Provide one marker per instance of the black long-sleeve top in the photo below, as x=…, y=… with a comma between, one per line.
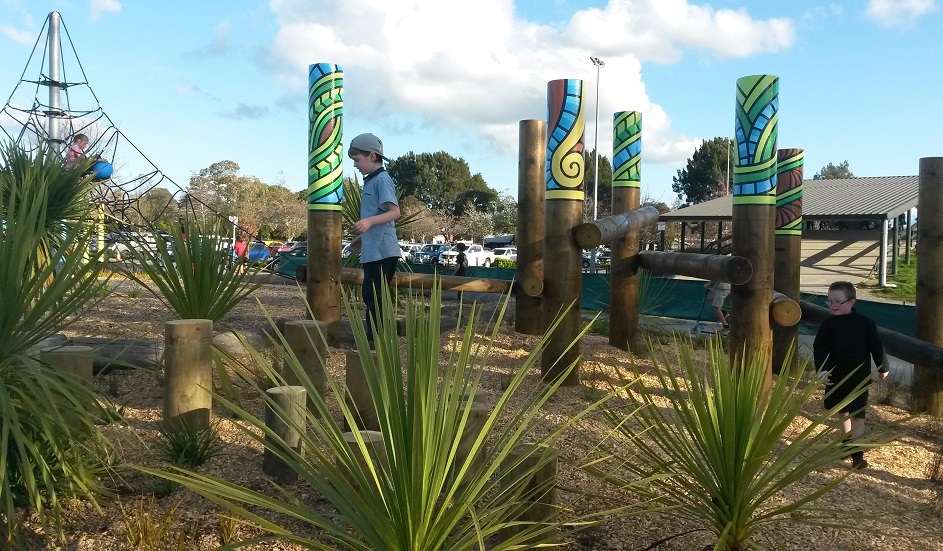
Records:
x=845, y=345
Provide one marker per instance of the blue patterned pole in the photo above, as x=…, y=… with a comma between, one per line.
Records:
x=788, y=247
x=563, y=212
x=325, y=193
x=626, y=184
x=754, y=212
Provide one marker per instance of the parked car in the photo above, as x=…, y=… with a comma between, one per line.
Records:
x=476, y=254
x=130, y=244
x=288, y=262
x=509, y=253
x=273, y=248
x=286, y=246
x=414, y=253
x=603, y=258
x=257, y=253
x=430, y=253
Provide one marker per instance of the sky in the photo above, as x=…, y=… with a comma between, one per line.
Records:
x=194, y=83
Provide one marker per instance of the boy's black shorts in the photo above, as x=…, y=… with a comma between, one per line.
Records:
x=834, y=396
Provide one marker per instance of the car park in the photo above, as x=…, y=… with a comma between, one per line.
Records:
x=476, y=254
x=430, y=253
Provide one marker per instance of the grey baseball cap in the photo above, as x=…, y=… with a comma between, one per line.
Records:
x=369, y=143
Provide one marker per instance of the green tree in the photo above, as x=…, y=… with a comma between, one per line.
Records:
x=834, y=172
x=504, y=214
x=605, y=185
x=650, y=234
x=482, y=200
x=436, y=179
x=477, y=223
x=219, y=190
x=708, y=172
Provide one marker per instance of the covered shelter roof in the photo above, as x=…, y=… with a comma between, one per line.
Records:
x=868, y=198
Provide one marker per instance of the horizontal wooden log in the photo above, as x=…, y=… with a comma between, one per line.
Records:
x=531, y=286
x=354, y=276
x=593, y=234
x=122, y=353
x=906, y=348
x=784, y=311
x=735, y=270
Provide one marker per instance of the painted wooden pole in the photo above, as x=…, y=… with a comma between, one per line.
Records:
x=564, y=210
x=290, y=400
x=76, y=361
x=729, y=269
x=927, y=386
x=531, y=166
x=617, y=227
x=754, y=211
x=305, y=339
x=325, y=193
x=788, y=245
x=359, y=399
x=539, y=489
x=188, y=372
x=623, y=273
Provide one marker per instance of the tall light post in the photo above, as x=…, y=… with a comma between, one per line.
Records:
x=599, y=65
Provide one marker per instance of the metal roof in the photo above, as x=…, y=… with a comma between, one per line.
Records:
x=871, y=198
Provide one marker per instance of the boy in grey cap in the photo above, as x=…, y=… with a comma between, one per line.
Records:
x=377, y=242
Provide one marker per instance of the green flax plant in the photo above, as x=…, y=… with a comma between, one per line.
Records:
x=195, y=278
x=731, y=450
x=50, y=447
x=417, y=494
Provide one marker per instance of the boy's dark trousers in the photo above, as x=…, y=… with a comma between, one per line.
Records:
x=373, y=275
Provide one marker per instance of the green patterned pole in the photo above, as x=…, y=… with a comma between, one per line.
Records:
x=325, y=193
x=563, y=212
x=626, y=182
x=754, y=209
x=788, y=245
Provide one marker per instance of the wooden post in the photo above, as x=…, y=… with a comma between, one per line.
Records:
x=376, y=450
x=564, y=208
x=927, y=387
x=188, y=372
x=291, y=401
x=531, y=167
x=306, y=339
x=70, y=360
x=477, y=416
x=788, y=246
x=539, y=489
x=754, y=210
x=325, y=194
x=623, y=273
x=359, y=399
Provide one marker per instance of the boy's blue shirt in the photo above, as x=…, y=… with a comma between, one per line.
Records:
x=380, y=240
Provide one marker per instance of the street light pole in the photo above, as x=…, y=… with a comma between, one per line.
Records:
x=599, y=65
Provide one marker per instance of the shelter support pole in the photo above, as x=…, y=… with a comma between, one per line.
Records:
x=882, y=263
x=927, y=387
x=788, y=250
x=325, y=194
x=564, y=210
x=624, y=242
x=531, y=166
x=910, y=241
x=895, y=246
x=703, y=238
x=754, y=211
x=684, y=227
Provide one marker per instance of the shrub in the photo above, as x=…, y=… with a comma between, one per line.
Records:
x=184, y=445
x=505, y=263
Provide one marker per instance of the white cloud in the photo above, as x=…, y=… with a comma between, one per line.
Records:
x=893, y=13
x=480, y=68
x=19, y=36
x=104, y=6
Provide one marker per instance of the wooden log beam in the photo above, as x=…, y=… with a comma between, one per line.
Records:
x=900, y=346
x=784, y=311
x=735, y=270
x=593, y=234
x=354, y=276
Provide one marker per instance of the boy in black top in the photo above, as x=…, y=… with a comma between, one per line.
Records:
x=461, y=260
x=844, y=346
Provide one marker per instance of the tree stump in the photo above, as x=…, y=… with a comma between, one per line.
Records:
x=76, y=361
x=291, y=401
x=306, y=338
x=188, y=372
x=538, y=492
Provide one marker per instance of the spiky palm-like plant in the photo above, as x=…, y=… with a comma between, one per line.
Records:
x=732, y=449
x=419, y=495
x=194, y=278
x=50, y=447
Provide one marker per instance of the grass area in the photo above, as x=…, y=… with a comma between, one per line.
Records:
x=906, y=281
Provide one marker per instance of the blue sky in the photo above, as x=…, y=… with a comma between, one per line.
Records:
x=193, y=83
